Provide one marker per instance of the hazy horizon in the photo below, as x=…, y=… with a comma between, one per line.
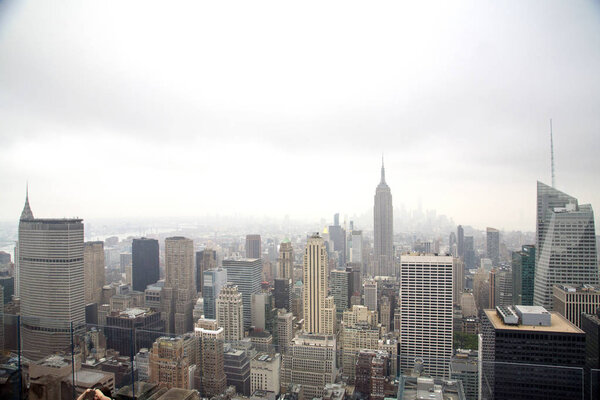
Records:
x=132, y=110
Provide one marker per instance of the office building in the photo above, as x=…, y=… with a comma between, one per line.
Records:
x=572, y=301
x=168, y=364
x=329, y=316
x=285, y=331
x=230, y=314
x=261, y=307
x=339, y=289
x=529, y=352
x=205, y=260
x=282, y=293
x=93, y=271
x=420, y=387
x=493, y=245
x=253, y=246
x=337, y=234
x=264, y=372
x=144, y=263
x=426, y=313
x=286, y=260
x=179, y=293
x=246, y=274
x=590, y=324
x=464, y=366
x=310, y=361
x=119, y=326
x=500, y=285
x=460, y=241
x=50, y=255
x=211, y=339
x=469, y=252
x=236, y=365
x=383, y=251
x=566, y=243
x=385, y=313
x=370, y=290
x=315, y=272
x=458, y=280
x=354, y=338
x=523, y=271
x=356, y=247
x=214, y=280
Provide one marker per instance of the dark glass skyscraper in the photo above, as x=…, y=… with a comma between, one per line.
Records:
x=523, y=270
x=145, y=263
x=383, y=228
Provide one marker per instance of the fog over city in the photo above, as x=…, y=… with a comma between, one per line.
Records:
x=174, y=109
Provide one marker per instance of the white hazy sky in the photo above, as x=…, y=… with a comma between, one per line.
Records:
x=143, y=108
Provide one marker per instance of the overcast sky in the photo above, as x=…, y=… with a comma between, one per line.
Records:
x=141, y=108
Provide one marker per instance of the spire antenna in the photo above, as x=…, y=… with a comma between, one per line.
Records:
x=552, y=153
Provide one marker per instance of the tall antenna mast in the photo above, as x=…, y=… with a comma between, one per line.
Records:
x=552, y=152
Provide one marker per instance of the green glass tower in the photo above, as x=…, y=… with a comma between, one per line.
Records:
x=523, y=270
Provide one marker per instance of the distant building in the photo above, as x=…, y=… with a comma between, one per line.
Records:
x=93, y=271
x=469, y=252
x=383, y=251
x=286, y=260
x=205, y=260
x=262, y=306
x=523, y=271
x=337, y=234
x=572, y=301
x=370, y=290
x=253, y=246
x=339, y=289
x=119, y=326
x=493, y=245
x=531, y=353
x=214, y=280
x=460, y=241
x=145, y=263
x=179, y=294
x=282, y=293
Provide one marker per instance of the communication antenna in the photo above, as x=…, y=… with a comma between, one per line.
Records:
x=552, y=152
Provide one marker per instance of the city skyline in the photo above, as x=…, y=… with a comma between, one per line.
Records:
x=458, y=98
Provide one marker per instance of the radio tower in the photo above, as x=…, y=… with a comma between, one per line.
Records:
x=552, y=152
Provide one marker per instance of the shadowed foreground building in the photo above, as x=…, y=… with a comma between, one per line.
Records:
x=144, y=263
x=530, y=353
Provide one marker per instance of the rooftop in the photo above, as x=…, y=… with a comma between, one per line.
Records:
x=558, y=324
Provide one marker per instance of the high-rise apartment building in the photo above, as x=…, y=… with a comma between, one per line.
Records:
x=426, y=313
x=93, y=271
x=246, y=274
x=523, y=275
x=315, y=272
x=205, y=260
x=50, y=253
x=531, y=353
x=230, y=314
x=383, y=251
x=339, y=289
x=253, y=246
x=566, y=243
x=286, y=260
x=211, y=338
x=572, y=301
x=370, y=290
x=285, y=331
x=179, y=293
x=169, y=364
x=493, y=245
x=310, y=361
x=144, y=263
x=214, y=280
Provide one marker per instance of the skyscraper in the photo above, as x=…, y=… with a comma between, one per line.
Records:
x=145, y=263
x=51, y=283
x=370, y=289
x=230, y=315
x=286, y=260
x=426, y=313
x=168, y=363
x=245, y=273
x=214, y=280
x=282, y=293
x=253, y=246
x=493, y=245
x=205, y=260
x=383, y=228
x=460, y=241
x=338, y=237
x=211, y=338
x=339, y=289
x=469, y=252
x=93, y=271
x=179, y=293
x=566, y=243
x=523, y=270
x=315, y=274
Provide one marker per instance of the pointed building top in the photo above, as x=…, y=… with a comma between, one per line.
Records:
x=382, y=170
x=26, y=214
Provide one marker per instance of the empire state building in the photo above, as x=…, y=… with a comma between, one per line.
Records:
x=383, y=229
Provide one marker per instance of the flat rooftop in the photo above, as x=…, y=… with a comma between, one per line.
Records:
x=558, y=323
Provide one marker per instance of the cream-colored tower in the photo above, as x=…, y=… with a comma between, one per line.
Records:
x=230, y=313
x=286, y=260
x=180, y=284
x=93, y=271
x=315, y=284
